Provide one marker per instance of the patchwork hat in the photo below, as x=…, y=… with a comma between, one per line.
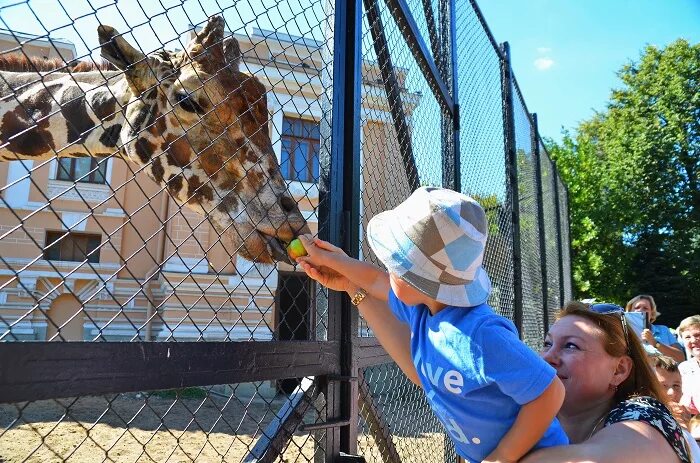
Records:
x=435, y=242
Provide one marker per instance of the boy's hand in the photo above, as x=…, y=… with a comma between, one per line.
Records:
x=318, y=264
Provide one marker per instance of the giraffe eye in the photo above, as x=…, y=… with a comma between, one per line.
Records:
x=188, y=103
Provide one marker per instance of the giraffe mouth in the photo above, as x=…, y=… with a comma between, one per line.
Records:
x=276, y=248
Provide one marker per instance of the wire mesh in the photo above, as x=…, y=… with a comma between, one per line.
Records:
x=533, y=329
x=551, y=250
x=416, y=435
x=482, y=147
x=127, y=212
x=565, y=239
x=216, y=423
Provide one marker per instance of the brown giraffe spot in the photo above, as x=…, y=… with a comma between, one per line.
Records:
x=157, y=170
x=78, y=122
x=144, y=149
x=228, y=204
x=254, y=180
x=211, y=162
x=174, y=184
x=110, y=136
x=104, y=105
x=23, y=135
x=177, y=150
x=196, y=191
x=248, y=155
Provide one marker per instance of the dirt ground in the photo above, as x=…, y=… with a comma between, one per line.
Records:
x=137, y=429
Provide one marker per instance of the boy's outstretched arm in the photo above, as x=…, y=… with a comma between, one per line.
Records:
x=334, y=269
x=530, y=425
x=334, y=263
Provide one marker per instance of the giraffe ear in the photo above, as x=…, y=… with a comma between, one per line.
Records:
x=232, y=53
x=116, y=49
x=212, y=36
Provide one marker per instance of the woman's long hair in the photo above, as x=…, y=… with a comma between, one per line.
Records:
x=641, y=380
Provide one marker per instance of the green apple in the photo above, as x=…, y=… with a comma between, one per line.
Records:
x=295, y=249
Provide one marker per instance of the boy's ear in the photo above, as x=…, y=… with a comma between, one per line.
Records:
x=116, y=50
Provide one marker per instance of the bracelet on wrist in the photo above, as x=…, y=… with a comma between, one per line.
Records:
x=358, y=296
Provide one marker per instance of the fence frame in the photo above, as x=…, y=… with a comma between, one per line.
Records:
x=39, y=370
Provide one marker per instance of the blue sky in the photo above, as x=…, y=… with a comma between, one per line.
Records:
x=565, y=53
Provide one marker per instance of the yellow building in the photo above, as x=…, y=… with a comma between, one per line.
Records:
x=162, y=272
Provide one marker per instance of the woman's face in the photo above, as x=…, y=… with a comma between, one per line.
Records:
x=574, y=347
x=644, y=306
x=691, y=340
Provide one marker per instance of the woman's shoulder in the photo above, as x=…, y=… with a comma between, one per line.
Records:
x=654, y=413
x=689, y=366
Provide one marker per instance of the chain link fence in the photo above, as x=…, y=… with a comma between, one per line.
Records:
x=156, y=159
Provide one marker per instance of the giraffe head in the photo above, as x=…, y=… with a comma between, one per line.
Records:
x=199, y=127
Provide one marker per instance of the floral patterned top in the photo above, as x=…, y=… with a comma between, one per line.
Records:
x=655, y=414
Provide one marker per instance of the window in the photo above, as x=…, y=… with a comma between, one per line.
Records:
x=300, y=147
x=76, y=169
x=73, y=247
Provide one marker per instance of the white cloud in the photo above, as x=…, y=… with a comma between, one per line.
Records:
x=544, y=63
x=543, y=50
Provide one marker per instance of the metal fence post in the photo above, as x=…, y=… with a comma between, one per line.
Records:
x=457, y=167
x=512, y=181
x=535, y=140
x=342, y=193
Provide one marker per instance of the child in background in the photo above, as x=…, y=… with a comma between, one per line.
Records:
x=495, y=396
x=669, y=377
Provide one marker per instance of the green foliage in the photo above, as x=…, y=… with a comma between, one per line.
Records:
x=632, y=173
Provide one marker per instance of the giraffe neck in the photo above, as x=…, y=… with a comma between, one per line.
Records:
x=64, y=115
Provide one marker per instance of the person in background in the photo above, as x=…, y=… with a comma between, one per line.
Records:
x=689, y=331
x=659, y=336
x=669, y=377
x=614, y=409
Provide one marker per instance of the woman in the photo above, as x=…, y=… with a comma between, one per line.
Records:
x=659, y=336
x=689, y=332
x=614, y=410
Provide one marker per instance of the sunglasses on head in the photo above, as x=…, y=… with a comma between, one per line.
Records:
x=614, y=309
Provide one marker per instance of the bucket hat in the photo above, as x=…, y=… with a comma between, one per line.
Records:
x=435, y=242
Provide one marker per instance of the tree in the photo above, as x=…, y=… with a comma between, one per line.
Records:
x=632, y=173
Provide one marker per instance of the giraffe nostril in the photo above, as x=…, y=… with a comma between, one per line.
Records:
x=287, y=204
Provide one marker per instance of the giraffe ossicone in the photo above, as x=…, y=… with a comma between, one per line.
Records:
x=194, y=122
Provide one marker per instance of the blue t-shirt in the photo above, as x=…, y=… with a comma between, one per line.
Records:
x=663, y=335
x=476, y=374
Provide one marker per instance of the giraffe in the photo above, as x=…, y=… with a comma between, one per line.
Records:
x=194, y=122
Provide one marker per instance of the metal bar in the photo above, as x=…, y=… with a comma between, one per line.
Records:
x=535, y=140
x=49, y=370
x=485, y=27
x=555, y=176
x=330, y=424
x=342, y=214
x=432, y=33
x=512, y=166
x=371, y=353
x=393, y=92
x=407, y=25
x=275, y=437
x=457, y=168
x=377, y=425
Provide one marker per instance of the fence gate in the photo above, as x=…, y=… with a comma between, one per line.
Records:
x=156, y=159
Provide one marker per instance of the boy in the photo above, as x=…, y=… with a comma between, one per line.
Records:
x=669, y=377
x=496, y=398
